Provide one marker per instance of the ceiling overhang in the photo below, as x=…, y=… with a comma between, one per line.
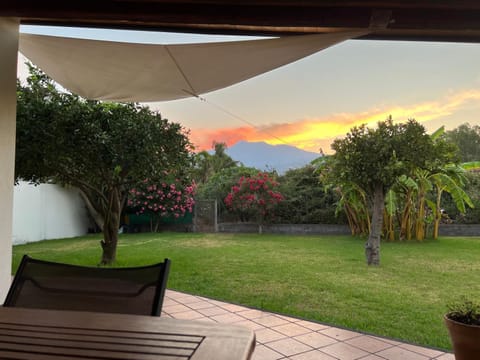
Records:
x=425, y=20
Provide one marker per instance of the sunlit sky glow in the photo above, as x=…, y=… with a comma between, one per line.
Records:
x=309, y=103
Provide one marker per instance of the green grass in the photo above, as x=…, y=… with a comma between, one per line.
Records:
x=322, y=278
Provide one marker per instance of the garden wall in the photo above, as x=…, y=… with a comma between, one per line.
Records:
x=324, y=229
x=297, y=229
x=47, y=211
x=459, y=230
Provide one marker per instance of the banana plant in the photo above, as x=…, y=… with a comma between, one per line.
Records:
x=450, y=179
x=353, y=202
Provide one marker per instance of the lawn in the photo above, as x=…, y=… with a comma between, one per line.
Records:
x=322, y=278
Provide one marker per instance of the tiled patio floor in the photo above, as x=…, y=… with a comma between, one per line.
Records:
x=283, y=337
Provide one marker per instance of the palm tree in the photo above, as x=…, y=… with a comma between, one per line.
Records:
x=206, y=164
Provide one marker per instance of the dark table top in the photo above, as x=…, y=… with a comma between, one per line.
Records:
x=58, y=335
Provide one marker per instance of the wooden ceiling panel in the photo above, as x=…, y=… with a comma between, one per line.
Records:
x=430, y=20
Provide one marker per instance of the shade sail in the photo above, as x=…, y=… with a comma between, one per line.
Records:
x=118, y=71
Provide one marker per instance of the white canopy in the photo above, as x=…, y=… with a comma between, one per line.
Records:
x=118, y=71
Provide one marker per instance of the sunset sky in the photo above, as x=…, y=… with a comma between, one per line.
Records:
x=312, y=101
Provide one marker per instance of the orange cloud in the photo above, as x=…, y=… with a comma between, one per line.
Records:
x=314, y=133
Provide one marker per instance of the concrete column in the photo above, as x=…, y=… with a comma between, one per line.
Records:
x=9, y=30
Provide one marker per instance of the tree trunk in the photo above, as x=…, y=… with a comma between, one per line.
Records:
x=96, y=216
x=405, y=225
x=438, y=213
x=420, y=220
x=110, y=229
x=372, y=247
x=109, y=244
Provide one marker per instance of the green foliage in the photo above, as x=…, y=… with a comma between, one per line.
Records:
x=103, y=149
x=254, y=196
x=370, y=157
x=207, y=165
x=408, y=165
x=467, y=138
x=472, y=190
x=219, y=185
x=465, y=311
x=306, y=199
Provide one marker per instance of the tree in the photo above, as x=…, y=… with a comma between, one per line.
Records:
x=171, y=198
x=467, y=138
x=103, y=149
x=219, y=185
x=419, y=194
x=207, y=165
x=374, y=158
x=306, y=200
x=255, y=194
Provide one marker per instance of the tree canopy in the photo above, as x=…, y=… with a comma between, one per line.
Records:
x=207, y=164
x=103, y=149
x=467, y=139
x=373, y=158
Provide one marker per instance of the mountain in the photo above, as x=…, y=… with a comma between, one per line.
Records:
x=268, y=157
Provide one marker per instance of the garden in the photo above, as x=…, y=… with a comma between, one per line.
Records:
x=319, y=278
x=394, y=183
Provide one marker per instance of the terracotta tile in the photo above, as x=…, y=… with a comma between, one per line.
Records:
x=288, y=318
x=188, y=315
x=228, y=318
x=168, y=302
x=312, y=325
x=397, y=353
x=250, y=324
x=175, y=308
x=344, y=351
x=251, y=314
x=182, y=298
x=339, y=334
x=216, y=302
x=292, y=338
x=315, y=340
x=213, y=311
x=200, y=305
x=232, y=307
x=422, y=350
x=368, y=343
x=206, y=319
x=188, y=300
x=446, y=356
x=263, y=353
x=389, y=341
x=267, y=335
x=312, y=355
x=372, y=357
x=270, y=320
x=289, y=347
x=291, y=329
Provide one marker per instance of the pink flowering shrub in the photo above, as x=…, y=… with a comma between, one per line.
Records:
x=161, y=200
x=254, y=195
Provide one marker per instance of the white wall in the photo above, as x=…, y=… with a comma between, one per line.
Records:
x=47, y=211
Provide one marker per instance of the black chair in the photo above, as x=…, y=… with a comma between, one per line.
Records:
x=49, y=285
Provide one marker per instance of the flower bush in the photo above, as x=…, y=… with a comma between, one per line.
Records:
x=254, y=196
x=161, y=200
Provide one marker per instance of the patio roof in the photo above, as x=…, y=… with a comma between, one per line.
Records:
x=430, y=20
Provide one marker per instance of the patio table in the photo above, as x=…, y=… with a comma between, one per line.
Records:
x=59, y=335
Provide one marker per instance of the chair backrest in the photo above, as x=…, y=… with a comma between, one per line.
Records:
x=49, y=285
